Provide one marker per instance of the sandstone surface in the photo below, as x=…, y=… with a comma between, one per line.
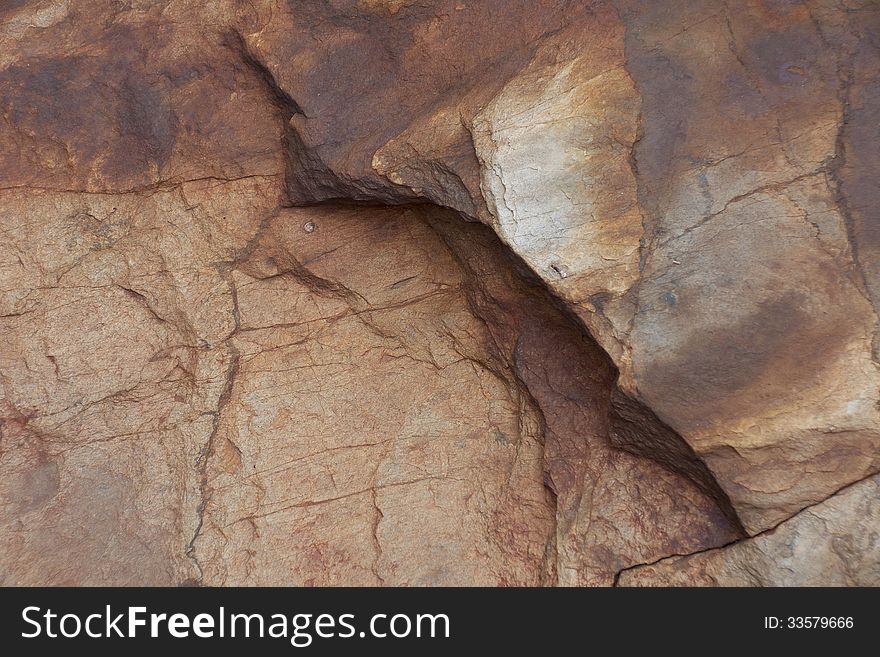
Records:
x=497, y=292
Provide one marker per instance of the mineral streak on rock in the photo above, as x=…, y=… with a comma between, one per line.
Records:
x=495, y=292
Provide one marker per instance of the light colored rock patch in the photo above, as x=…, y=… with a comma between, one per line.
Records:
x=554, y=147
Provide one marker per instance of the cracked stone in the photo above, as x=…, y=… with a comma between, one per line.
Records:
x=834, y=543
x=318, y=293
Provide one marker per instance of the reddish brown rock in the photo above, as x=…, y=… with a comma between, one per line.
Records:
x=460, y=437
x=116, y=315
x=220, y=370
x=385, y=371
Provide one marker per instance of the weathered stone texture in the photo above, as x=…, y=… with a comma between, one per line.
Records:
x=449, y=292
x=834, y=543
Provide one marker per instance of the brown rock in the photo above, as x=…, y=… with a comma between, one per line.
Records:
x=640, y=158
x=834, y=543
x=220, y=370
x=398, y=382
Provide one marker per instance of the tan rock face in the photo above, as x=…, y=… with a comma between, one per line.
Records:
x=366, y=436
x=321, y=293
x=383, y=371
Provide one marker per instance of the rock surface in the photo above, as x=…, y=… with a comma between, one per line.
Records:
x=835, y=543
x=323, y=293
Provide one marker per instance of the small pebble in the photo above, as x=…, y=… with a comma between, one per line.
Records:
x=309, y=226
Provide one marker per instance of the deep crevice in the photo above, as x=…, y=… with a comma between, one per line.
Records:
x=633, y=427
x=636, y=429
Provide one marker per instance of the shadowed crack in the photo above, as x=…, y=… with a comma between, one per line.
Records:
x=208, y=449
x=633, y=427
x=636, y=429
